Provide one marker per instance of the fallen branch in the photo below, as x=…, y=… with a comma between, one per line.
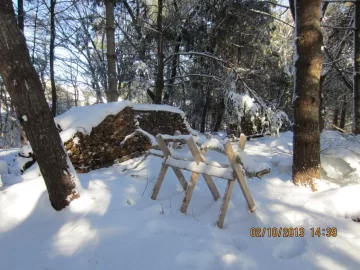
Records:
x=131, y=156
x=257, y=174
x=340, y=129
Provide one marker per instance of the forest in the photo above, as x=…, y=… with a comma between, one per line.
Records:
x=99, y=98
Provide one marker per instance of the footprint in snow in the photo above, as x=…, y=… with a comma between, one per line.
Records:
x=290, y=248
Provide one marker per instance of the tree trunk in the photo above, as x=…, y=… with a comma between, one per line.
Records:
x=356, y=127
x=343, y=114
x=292, y=8
x=220, y=115
x=20, y=6
x=111, y=93
x=24, y=87
x=159, y=85
x=336, y=116
x=52, y=54
x=205, y=110
x=306, y=159
x=322, y=105
x=21, y=26
x=174, y=65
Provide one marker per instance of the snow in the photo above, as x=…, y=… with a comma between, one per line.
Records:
x=84, y=118
x=151, y=137
x=4, y=168
x=127, y=137
x=155, y=107
x=76, y=140
x=24, y=117
x=226, y=173
x=116, y=225
x=176, y=137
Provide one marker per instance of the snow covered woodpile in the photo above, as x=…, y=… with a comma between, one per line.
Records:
x=97, y=136
x=114, y=138
x=156, y=121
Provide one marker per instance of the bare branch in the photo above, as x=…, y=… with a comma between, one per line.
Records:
x=271, y=16
x=197, y=75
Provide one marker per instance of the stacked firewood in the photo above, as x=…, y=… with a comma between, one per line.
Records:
x=119, y=137
x=112, y=139
x=163, y=122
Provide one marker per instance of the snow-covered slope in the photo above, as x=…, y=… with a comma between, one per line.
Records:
x=115, y=224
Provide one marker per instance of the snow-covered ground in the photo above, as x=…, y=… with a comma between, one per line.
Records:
x=115, y=224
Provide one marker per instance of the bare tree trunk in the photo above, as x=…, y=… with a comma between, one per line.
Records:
x=306, y=159
x=205, y=110
x=322, y=105
x=21, y=26
x=175, y=62
x=111, y=93
x=24, y=86
x=159, y=85
x=292, y=8
x=220, y=114
x=343, y=114
x=20, y=6
x=356, y=125
x=34, y=34
x=336, y=116
x=52, y=55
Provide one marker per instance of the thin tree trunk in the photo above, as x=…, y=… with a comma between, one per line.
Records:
x=322, y=105
x=220, y=115
x=24, y=86
x=20, y=7
x=336, y=116
x=52, y=56
x=343, y=114
x=111, y=93
x=174, y=65
x=356, y=125
x=306, y=159
x=292, y=8
x=159, y=85
x=205, y=110
x=34, y=35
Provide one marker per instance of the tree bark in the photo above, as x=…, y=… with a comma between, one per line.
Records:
x=24, y=86
x=111, y=93
x=343, y=114
x=292, y=8
x=52, y=56
x=205, y=110
x=174, y=66
x=322, y=104
x=220, y=115
x=159, y=85
x=306, y=159
x=356, y=125
x=336, y=116
x=20, y=6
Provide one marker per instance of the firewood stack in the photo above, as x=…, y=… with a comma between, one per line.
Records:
x=107, y=144
x=163, y=122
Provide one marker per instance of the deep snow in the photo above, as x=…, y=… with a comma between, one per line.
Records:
x=115, y=224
